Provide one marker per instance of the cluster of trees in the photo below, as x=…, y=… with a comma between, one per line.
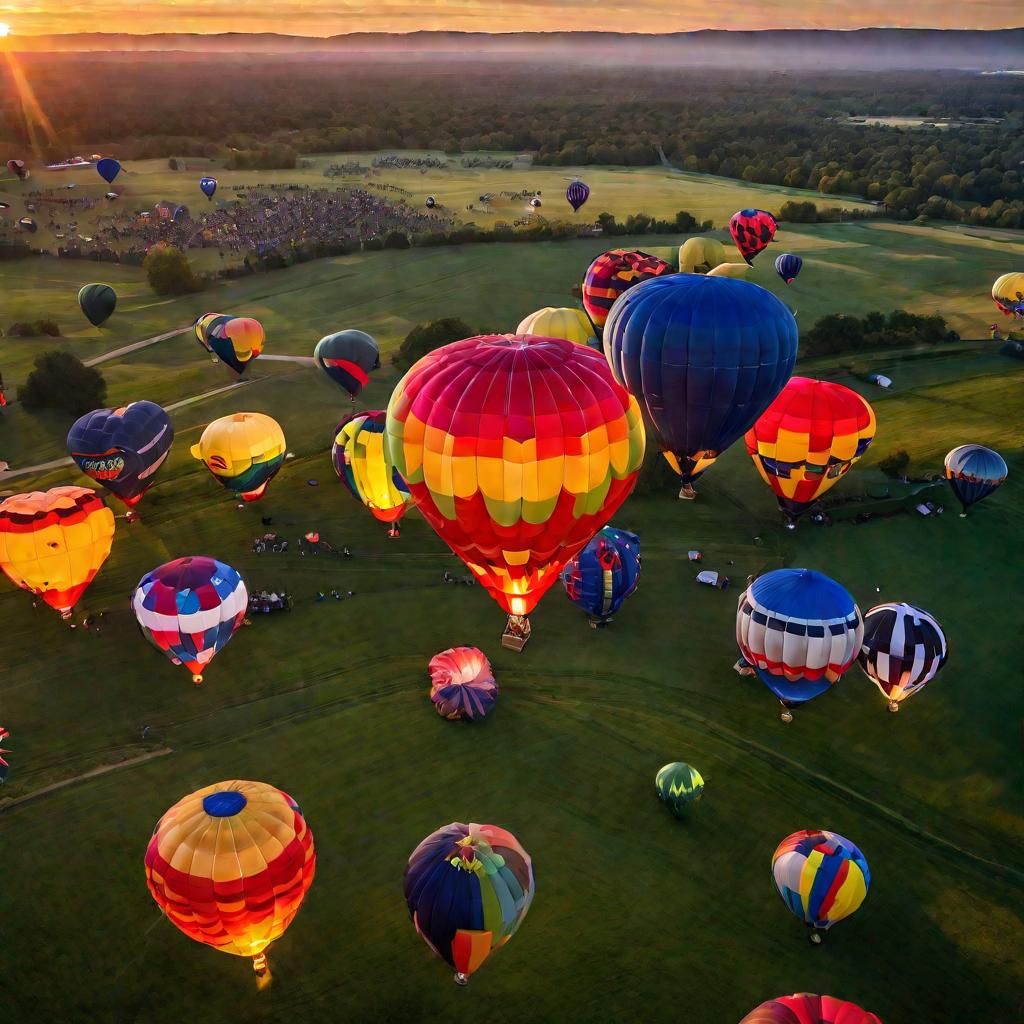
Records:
x=798, y=211
x=684, y=223
x=424, y=338
x=34, y=329
x=169, y=271
x=60, y=380
x=840, y=333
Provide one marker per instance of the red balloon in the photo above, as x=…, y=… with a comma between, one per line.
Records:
x=752, y=231
x=805, y=1008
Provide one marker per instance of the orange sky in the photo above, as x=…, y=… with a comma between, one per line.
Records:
x=329, y=17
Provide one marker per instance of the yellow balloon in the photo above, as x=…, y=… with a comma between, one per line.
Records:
x=243, y=451
x=700, y=255
x=729, y=270
x=559, y=322
x=1008, y=292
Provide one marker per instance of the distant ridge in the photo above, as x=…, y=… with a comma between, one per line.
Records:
x=785, y=48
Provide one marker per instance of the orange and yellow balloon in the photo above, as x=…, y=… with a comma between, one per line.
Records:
x=243, y=451
x=53, y=542
x=230, y=866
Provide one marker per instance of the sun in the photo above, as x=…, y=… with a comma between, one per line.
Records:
x=5, y=29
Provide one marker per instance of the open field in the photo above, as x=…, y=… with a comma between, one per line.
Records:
x=633, y=909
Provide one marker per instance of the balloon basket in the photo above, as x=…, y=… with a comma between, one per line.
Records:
x=785, y=715
x=260, y=965
x=517, y=632
x=461, y=979
x=893, y=706
x=198, y=681
x=687, y=493
x=816, y=938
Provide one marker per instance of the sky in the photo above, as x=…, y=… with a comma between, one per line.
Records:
x=331, y=17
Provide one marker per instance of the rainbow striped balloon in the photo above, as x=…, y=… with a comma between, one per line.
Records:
x=806, y=1008
x=613, y=273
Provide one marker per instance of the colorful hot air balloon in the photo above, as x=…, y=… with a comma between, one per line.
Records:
x=517, y=450
x=787, y=266
x=108, y=169
x=700, y=254
x=705, y=356
x=243, y=451
x=903, y=649
x=122, y=448
x=807, y=439
x=613, y=273
x=97, y=302
x=752, y=231
x=603, y=574
x=554, y=322
x=53, y=542
x=18, y=169
x=189, y=609
x=804, y=1008
x=208, y=186
x=974, y=472
x=678, y=786
x=230, y=866
x=462, y=684
x=800, y=630
x=235, y=340
x=28, y=224
x=362, y=466
x=1008, y=293
x=577, y=193
x=821, y=877
x=4, y=766
x=347, y=358
x=468, y=888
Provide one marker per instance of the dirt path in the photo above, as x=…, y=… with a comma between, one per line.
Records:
x=135, y=346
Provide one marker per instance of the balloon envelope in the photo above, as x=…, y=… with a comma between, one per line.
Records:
x=18, y=169
x=347, y=357
x=122, y=448
x=243, y=451
x=787, y=266
x=362, y=466
x=108, y=169
x=577, y=193
x=235, y=340
x=555, y=322
x=462, y=684
x=974, y=472
x=700, y=254
x=28, y=224
x=1008, y=293
x=752, y=231
x=208, y=186
x=613, y=273
x=902, y=651
x=805, y=1008
x=678, y=785
x=604, y=573
x=97, y=302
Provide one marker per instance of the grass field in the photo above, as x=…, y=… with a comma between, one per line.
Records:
x=637, y=916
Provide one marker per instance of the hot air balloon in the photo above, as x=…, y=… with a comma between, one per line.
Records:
x=577, y=193
x=535, y=203
x=700, y=254
x=122, y=448
x=804, y=1008
x=347, y=358
x=613, y=273
x=752, y=231
x=53, y=542
x=230, y=866
x=18, y=169
x=787, y=266
x=517, y=450
x=208, y=186
x=108, y=169
x=243, y=451
x=189, y=609
x=903, y=649
x=974, y=472
x=235, y=340
x=603, y=574
x=4, y=766
x=362, y=466
x=705, y=356
x=807, y=439
x=462, y=684
x=821, y=877
x=28, y=224
x=678, y=786
x=1008, y=293
x=468, y=888
x=554, y=322
x=431, y=202
x=800, y=630
x=97, y=302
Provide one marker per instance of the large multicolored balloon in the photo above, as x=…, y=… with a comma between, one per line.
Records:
x=808, y=439
x=52, y=543
x=577, y=194
x=235, y=340
x=189, y=609
x=705, y=356
x=560, y=322
x=122, y=449
x=603, y=574
x=517, y=450
x=97, y=302
x=752, y=231
x=805, y=1008
x=821, y=877
x=974, y=472
x=230, y=866
x=1008, y=294
x=208, y=186
x=348, y=357
x=787, y=266
x=800, y=630
x=902, y=651
x=700, y=254
x=678, y=786
x=468, y=888
x=462, y=684
x=613, y=273
x=19, y=169
x=108, y=169
x=243, y=451
x=362, y=466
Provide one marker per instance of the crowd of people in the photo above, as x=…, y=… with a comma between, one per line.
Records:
x=404, y=163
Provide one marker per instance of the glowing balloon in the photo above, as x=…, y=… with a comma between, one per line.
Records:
x=700, y=254
x=462, y=684
x=97, y=302
x=18, y=169
x=362, y=466
x=189, y=609
x=752, y=231
x=613, y=273
x=787, y=266
x=468, y=888
x=974, y=472
x=347, y=358
x=108, y=169
x=230, y=866
x=603, y=574
x=554, y=322
x=243, y=451
x=678, y=786
x=235, y=340
x=208, y=186
x=52, y=543
x=577, y=194
x=804, y=1008
x=1008, y=293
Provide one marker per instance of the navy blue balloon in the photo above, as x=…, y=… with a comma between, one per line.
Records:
x=208, y=186
x=704, y=356
x=604, y=574
x=122, y=448
x=108, y=169
x=787, y=266
x=974, y=472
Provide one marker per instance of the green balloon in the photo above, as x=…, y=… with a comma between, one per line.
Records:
x=679, y=785
x=97, y=302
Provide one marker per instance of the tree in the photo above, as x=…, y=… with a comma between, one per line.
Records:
x=425, y=338
x=61, y=380
x=797, y=212
x=396, y=240
x=895, y=463
x=169, y=271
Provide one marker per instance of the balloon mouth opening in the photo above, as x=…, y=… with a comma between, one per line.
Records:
x=224, y=804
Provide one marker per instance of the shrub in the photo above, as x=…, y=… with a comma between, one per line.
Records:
x=169, y=271
x=397, y=240
x=34, y=329
x=61, y=380
x=425, y=338
x=895, y=463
